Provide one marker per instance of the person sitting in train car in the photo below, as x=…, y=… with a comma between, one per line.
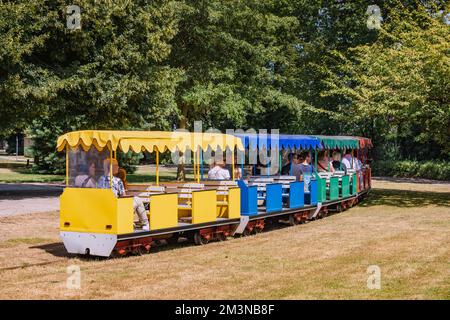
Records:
x=296, y=161
x=359, y=169
x=306, y=169
x=285, y=163
x=237, y=173
x=348, y=161
x=87, y=177
x=122, y=175
x=336, y=164
x=119, y=190
x=322, y=163
x=218, y=172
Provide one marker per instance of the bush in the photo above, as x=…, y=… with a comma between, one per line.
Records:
x=129, y=160
x=436, y=170
x=46, y=159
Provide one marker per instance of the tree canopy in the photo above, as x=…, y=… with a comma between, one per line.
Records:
x=298, y=66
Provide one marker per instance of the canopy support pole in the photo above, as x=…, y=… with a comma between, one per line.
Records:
x=315, y=159
x=328, y=160
x=232, y=165
x=280, y=164
x=67, y=165
x=290, y=162
x=193, y=164
x=352, y=157
x=242, y=167
x=157, y=167
x=198, y=165
x=201, y=165
x=110, y=166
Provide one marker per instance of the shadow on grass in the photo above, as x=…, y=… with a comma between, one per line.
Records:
x=14, y=166
x=410, y=180
x=405, y=198
x=17, y=191
x=56, y=249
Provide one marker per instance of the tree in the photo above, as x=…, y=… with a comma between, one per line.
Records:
x=400, y=82
x=111, y=73
x=235, y=57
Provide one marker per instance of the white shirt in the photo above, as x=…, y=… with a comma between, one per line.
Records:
x=85, y=181
x=218, y=173
x=346, y=161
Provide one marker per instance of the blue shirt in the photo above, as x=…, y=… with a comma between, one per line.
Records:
x=117, y=185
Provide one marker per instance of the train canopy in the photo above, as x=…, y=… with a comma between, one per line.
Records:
x=283, y=141
x=364, y=142
x=139, y=141
x=339, y=142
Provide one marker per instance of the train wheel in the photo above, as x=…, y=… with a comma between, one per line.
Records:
x=221, y=237
x=173, y=239
x=246, y=232
x=143, y=250
x=199, y=239
x=293, y=220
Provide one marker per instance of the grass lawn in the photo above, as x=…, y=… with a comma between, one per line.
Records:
x=402, y=228
x=25, y=175
x=14, y=172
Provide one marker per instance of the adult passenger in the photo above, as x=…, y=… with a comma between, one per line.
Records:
x=322, y=163
x=348, y=161
x=306, y=169
x=296, y=171
x=86, y=177
x=218, y=172
x=336, y=164
x=119, y=190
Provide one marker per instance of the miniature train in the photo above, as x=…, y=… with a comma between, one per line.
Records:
x=93, y=221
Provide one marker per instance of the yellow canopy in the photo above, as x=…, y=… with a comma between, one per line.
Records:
x=139, y=141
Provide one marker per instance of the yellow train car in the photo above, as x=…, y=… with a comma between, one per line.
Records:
x=98, y=215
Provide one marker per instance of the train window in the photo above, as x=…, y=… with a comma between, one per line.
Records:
x=86, y=167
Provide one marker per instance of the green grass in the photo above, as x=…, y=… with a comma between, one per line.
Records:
x=11, y=172
x=404, y=231
x=11, y=176
x=29, y=177
x=151, y=177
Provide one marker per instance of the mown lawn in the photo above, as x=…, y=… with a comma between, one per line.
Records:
x=404, y=229
x=14, y=172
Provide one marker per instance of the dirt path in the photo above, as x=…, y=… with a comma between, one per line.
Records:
x=25, y=198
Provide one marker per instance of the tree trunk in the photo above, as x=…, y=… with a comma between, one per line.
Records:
x=181, y=173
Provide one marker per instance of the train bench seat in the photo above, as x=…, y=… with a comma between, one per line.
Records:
x=268, y=193
x=286, y=183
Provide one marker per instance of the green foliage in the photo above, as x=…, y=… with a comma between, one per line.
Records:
x=309, y=67
x=128, y=161
x=437, y=170
x=46, y=159
x=234, y=55
x=398, y=84
x=107, y=74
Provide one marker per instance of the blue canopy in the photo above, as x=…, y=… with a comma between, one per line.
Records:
x=284, y=141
